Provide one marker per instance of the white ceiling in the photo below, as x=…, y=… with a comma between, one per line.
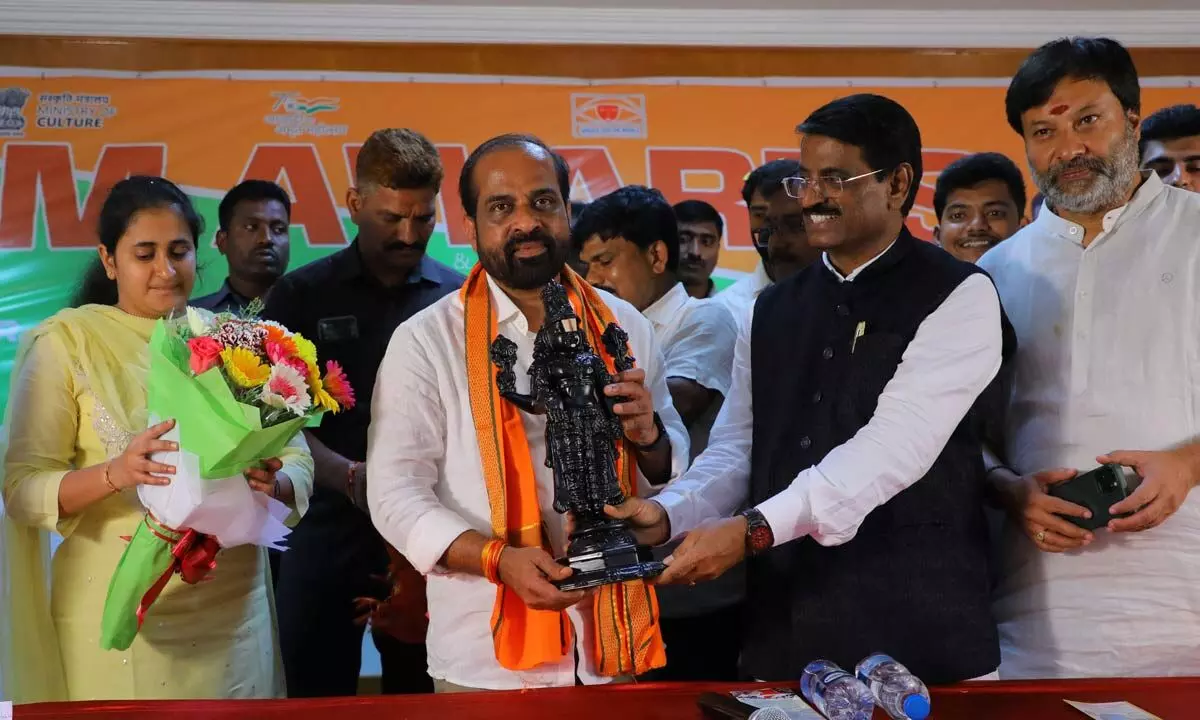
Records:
x=789, y=5
x=764, y=23
x=991, y=5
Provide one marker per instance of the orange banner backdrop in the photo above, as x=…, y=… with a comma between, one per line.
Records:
x=67, y=136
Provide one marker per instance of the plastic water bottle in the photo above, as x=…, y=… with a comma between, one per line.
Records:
x=900, y=693
x=835, y=693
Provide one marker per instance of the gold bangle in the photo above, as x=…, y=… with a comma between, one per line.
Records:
x=107, y=480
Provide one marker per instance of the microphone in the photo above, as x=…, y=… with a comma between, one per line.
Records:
x=720, y=706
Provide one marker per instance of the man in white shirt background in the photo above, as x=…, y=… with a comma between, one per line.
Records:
x=777, y=230
x=444, y=471
x=1170, y=145
x=980, y=202
x=700, y=231
x=1103, y=289
x=631, y=245
x=856, y=433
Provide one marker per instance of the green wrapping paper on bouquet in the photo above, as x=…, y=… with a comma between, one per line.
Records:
x=239, y=389
x=153, y=555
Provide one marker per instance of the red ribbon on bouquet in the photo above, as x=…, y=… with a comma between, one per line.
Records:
x=194, y=555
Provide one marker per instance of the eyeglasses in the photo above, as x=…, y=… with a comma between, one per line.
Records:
x=828, y=185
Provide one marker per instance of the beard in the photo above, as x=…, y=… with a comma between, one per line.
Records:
x=1109, y=185
x=526, y=273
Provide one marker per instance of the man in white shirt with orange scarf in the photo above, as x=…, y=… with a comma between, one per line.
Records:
x=459, y=484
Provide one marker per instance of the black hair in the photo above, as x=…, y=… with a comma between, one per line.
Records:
x=1075, y=58
x=1170, y=123
x=639, y=214
x=468, y=192
x=698, y=211
x=250, y=191
x=880, y=127
x=577, y=207
x=126, y=199
x=971, y=170
x=768, y=179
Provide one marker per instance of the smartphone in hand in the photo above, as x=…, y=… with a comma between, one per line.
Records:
x=1097, y=490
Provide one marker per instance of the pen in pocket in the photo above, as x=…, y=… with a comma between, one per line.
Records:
x=858, y=332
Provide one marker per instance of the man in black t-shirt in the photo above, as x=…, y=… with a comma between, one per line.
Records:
x=348, y=304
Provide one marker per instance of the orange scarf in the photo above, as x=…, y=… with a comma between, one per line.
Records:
x=627, y=637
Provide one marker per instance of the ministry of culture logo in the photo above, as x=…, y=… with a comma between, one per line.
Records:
x=12, y=111
x=73, y=111
x=294, y=115
x=608, y=116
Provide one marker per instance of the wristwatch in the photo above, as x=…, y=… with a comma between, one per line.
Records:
x=662, y=436
x=759, y=537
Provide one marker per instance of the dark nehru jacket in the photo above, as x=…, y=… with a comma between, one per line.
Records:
x=914, y=580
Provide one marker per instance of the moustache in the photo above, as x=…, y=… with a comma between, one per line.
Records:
x=1084, y=162
x=606, y=289
x=690, y=262
x=401, y=246
x=518, y=239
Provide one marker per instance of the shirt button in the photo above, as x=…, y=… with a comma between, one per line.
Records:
x=843, y=310
x=805, y=443
x=1074, y=231
x=828, y=353
x=817, y=396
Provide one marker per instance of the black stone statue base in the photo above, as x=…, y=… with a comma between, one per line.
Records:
x=606, y=552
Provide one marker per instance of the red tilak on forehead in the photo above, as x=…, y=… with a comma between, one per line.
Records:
x=1058, y=109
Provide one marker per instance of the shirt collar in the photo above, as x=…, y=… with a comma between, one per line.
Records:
x=663, y=310
x=350, y=265
x=506, y=310
x=858, y=270
x=228, y=291
x=1048, y=222
x=761, y=280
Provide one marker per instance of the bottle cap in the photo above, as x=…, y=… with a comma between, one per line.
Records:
x=916, y=707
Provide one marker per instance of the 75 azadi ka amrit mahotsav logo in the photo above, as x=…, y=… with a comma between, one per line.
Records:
x=293, y=115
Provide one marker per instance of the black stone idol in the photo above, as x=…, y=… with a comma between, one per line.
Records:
x=566, y=382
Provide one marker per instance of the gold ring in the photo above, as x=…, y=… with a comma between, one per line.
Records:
x=1041, y=536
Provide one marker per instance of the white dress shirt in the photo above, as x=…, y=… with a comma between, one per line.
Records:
x=426, y=486
x=697, y=338
x=1108, y=359
x=955, y=354
x=739, y=298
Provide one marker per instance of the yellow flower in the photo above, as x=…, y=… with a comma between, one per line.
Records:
x=325, y=401
x=314, y=380
x=306, y=351
x=244, y=368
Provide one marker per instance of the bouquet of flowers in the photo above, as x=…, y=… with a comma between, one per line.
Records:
x=240, y=389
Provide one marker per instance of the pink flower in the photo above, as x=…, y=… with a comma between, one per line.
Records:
x=206, y=354
x=286, y=389
x=296, y=364
x=278, y=352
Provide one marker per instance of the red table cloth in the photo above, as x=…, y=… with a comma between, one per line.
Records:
x=1170, y=699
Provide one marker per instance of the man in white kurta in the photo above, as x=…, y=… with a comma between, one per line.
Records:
x=1109, y=358
x=1103, y=291
x=427, y=489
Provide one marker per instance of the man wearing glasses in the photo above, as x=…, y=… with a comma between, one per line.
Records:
x=777, y=229
x=854, y=430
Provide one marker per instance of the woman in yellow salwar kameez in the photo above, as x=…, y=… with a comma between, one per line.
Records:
x=77, y=448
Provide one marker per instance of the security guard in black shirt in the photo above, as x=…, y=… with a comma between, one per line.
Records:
x=348, y=304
